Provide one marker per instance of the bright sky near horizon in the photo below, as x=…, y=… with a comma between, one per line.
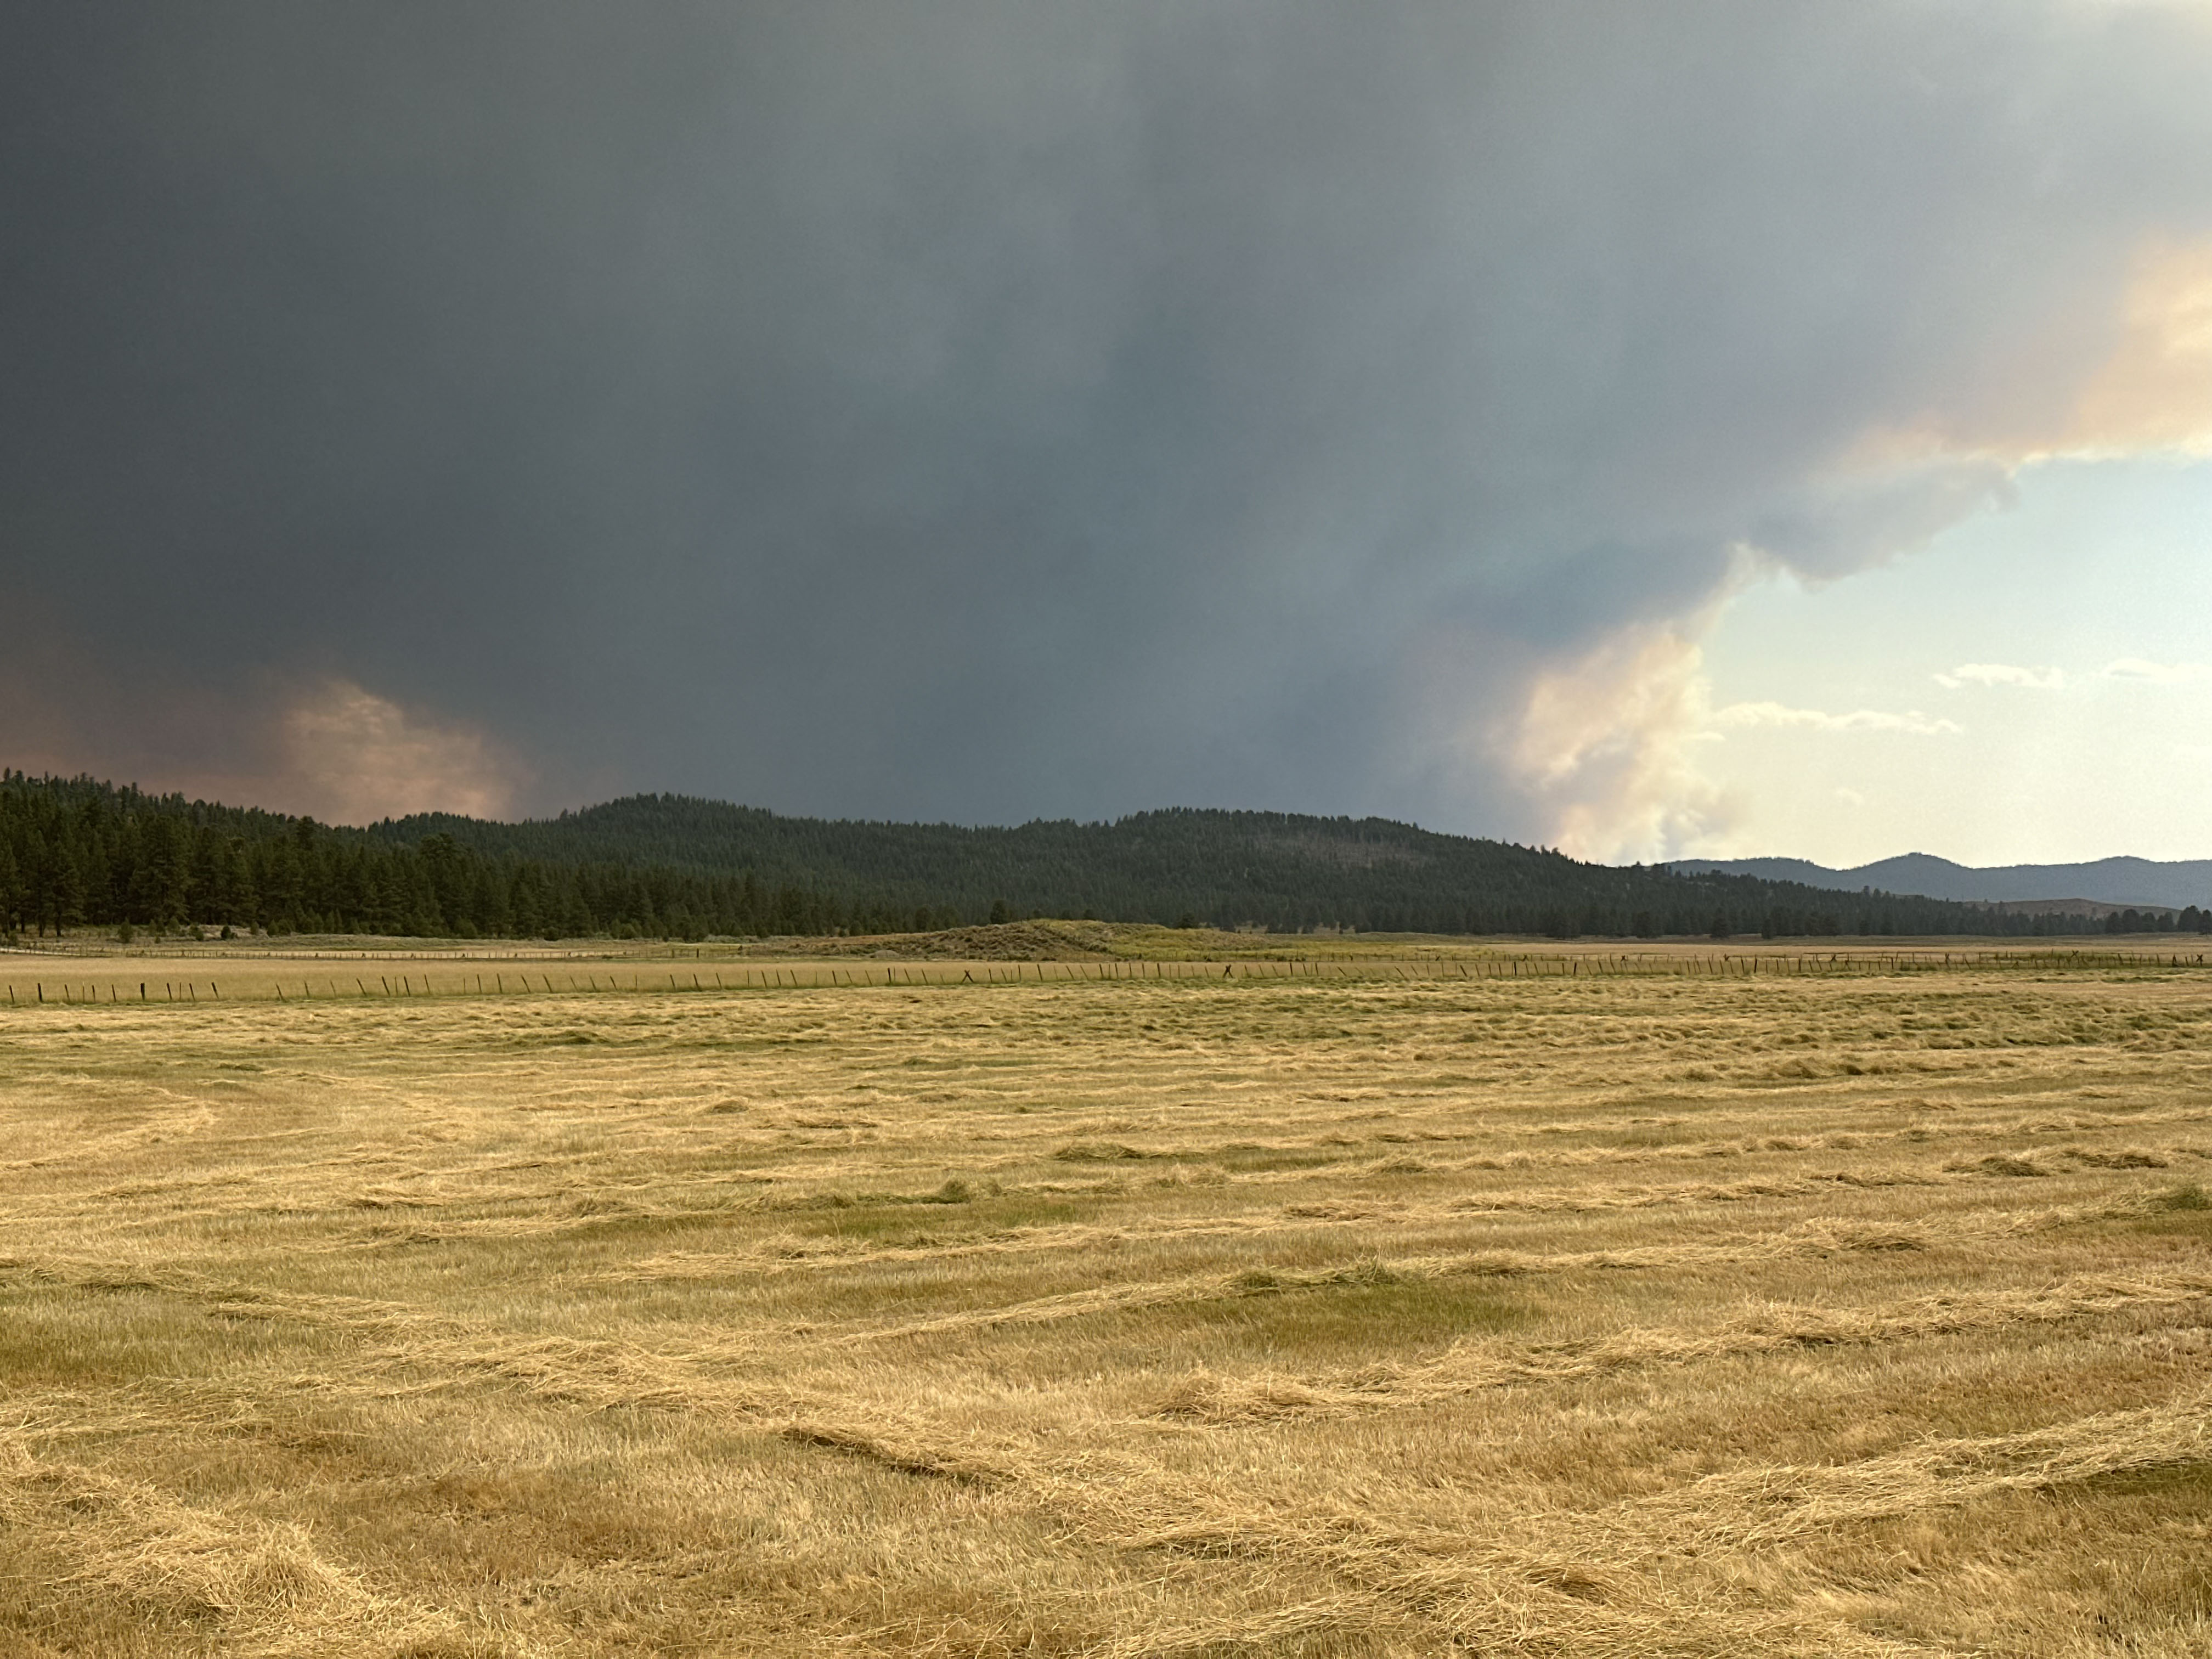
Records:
x=1724, y=428
x=2034, y=686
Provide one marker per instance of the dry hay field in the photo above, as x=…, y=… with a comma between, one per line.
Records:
x=1856, y=1312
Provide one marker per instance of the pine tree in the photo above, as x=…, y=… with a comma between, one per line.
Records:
x=11, y=891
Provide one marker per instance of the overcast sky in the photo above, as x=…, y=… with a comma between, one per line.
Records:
x=1648, y=430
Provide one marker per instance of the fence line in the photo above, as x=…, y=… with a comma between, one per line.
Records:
x=511, y=980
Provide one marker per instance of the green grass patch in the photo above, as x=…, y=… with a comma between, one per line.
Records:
x=2185, y=1210
x=977, y=1214
x=74, y=1336
x=2188, y=1484
x=1367, y=1314
x=1243, y=1157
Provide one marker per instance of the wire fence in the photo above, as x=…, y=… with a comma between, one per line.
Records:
x=514, y=976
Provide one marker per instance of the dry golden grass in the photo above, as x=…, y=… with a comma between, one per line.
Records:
x=1808, y=1312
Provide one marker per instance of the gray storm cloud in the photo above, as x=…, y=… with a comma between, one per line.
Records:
x=988, y=411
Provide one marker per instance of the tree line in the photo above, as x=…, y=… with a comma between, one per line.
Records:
x=77, y=852
x=80, y=853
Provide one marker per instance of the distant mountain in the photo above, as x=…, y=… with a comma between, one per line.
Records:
x=2121, y=881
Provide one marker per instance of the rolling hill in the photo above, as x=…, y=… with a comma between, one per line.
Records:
x=76, y=852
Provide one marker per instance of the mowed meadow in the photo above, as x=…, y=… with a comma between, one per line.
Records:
x=1833, y=1309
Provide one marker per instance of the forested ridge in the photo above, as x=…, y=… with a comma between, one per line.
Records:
x=78, y=852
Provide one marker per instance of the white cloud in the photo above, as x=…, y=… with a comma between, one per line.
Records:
x=1850, y=797
x=2003, y=673
x=1913, y=721
x=2158, y=673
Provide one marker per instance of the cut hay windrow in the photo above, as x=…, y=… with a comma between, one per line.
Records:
x=1595, y=1582
x=262, y=1583
x=1471, y=1366
x=1817, y=1238
x=1753, y=1508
